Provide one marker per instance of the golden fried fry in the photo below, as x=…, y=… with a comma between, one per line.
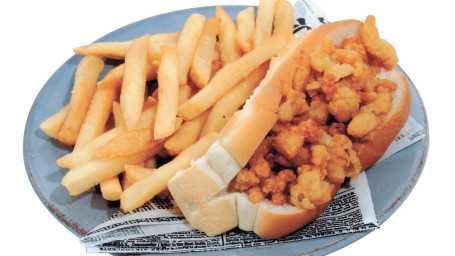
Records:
x=245, y=29
x=168, y=93
x=150, y=102
x=187, y=135
x=264, y=21
x=87, y=152
x=117, y=50
x=128, y=143
x=136, y=173
x=229, y=49
x=284, y=17
x=84, y=176
x=133, y=85
x=142, y=191
x=230, y=75
x=201, y=67
x=113, y=50
x=117, y=113
x=154, y=50
x=111, y=188
x=232, y=100
x=52, y=125
x=187, y=44
x=114, y=78
x=84, y=87
x=97, y=115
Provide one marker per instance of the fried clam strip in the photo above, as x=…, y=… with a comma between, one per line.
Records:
x=230, y=75
x=144, y=190
x=84, y=176
x=117, y=50
x=84, y=87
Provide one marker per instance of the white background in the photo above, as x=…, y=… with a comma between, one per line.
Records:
x=38, y=36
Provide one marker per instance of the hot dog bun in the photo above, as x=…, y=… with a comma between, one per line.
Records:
x=201, y=191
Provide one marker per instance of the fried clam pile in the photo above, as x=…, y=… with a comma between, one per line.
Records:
x=335, y=100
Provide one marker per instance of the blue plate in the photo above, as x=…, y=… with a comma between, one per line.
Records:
x=390, y=181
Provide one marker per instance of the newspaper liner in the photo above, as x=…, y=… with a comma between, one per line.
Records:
x=160, y=227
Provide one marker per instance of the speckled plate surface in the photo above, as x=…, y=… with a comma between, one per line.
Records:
x=390, y=181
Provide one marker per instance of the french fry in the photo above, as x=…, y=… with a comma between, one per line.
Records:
x=117, y=113
x=245, y=29
x=87, y=152
x=128, y=143
x=201, y=67
x=97, y=115
x=184, y=93
x=216, y=65
x=117, y=50
x=187, y=135
x=52, y=124
x=186, y=46
x=84, y=176
x=113, y=50
x=149, y=102
x=230, y=75
x=133, y=84
x=87, y=73
x=150, y=163
x=126, y=180
x=154, y=50
x=229, y=49
x=147, y=118
x=216, y=52
x=168, y=93
x=223, y=110
x=165, y=37
x=136, y=173
x=284, y=17
x=144, y=190
x=111, y=188
x=264, y=21
x=114, y=78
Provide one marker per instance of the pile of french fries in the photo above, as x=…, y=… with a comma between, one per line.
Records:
x=120, y=127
